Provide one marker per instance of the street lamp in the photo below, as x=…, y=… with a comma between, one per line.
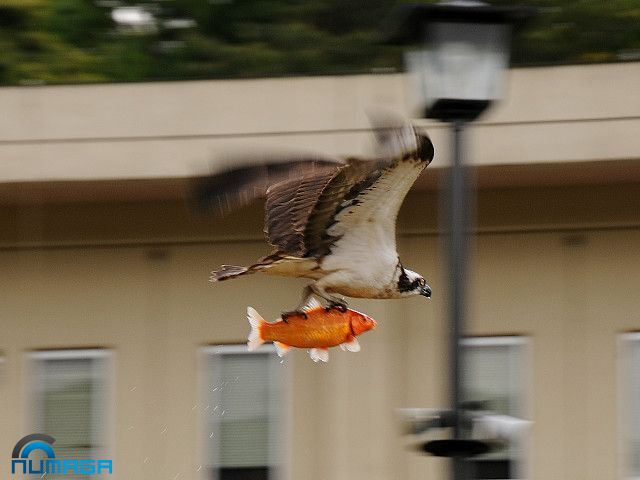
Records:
x=455, y=76
x=461, y=66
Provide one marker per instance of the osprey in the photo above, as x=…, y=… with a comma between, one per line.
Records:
x=330, y=221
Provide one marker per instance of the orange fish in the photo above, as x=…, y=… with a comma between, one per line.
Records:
x=322, y=328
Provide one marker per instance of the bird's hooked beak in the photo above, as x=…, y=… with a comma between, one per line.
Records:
x=426, y=291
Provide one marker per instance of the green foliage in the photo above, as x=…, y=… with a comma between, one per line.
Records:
x=66, y=41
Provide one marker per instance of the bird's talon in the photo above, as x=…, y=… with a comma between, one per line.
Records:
x=341, y=307
x=285, y=315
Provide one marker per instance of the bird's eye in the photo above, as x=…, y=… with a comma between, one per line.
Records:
x=421, y=282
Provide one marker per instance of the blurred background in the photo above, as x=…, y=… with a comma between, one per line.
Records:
x=113, y=341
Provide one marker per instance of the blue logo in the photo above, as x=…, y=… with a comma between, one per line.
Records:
x=21, y=463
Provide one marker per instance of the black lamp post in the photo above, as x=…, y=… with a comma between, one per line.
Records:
x=457, y=74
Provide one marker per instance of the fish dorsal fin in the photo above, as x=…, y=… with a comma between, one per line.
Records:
x=311, y=304
x=281, y=348
x=319, y=354
x=352, y=345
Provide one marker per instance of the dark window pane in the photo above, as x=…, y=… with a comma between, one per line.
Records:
x=242, y=473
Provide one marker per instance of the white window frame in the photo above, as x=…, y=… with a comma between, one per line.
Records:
x=625, y=342
x=279, y=458
x=523, y=466
x=107, y=439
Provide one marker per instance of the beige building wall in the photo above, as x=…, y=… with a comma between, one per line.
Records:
x=98, y=249
x=570, y=289
x=175, y=129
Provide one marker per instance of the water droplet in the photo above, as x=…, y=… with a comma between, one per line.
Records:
x=130, y=427
x=216, y=407
x=163, y=430
x=194, y=407
x=222, y=412
x=199, y=468
x=133, y=389
x=146, y=460
x=207, y=407
x=211, y=436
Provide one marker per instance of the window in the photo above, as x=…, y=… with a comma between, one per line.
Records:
x=70, y=400
x=242, y=402
x=495, y=375
x=629, y=381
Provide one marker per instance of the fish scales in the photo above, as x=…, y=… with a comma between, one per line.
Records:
x=326, y=330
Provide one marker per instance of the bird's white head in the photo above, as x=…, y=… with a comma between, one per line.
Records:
x=410, y=283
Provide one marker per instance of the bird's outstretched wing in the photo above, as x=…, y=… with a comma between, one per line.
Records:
x=313, y=202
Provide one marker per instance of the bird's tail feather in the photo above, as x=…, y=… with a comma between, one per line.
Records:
x=229, y=271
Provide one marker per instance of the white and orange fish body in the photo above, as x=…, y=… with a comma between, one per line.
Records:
x=321, y=329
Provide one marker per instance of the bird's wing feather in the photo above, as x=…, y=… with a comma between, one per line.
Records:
x=298, y=211
x=288, y=207
x=341, y=187
x=380, y=201
x=365, y=222
x=234, y=187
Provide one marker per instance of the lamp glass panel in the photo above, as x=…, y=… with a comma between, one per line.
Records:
x=463, y=61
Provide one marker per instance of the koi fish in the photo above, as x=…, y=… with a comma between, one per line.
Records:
x=322, y=328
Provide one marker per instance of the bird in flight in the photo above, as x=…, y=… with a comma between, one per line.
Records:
x=331, y=221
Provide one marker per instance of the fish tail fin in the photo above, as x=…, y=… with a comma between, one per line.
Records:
x=254, y=340
x=319, y=354
x=281, y=348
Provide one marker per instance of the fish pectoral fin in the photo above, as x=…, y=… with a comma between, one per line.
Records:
x=352, y=345
x=281, y=348
x=319, y=354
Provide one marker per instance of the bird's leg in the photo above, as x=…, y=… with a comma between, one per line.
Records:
x=332, y=300
x=306, y=295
